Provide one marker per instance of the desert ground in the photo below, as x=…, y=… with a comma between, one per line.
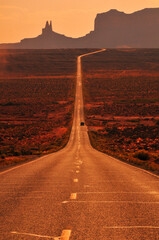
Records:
x=121, y=94
x=121, y=89
x=37, y=90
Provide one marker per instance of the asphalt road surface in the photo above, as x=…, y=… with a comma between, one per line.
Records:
x=78, y=193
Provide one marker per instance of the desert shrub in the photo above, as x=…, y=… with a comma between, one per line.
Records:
x=3, y=156
x=142, y=155
x=26, y=151
x=16, y=153
x=157, y=160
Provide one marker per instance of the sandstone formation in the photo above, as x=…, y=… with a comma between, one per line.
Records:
x=113, y=29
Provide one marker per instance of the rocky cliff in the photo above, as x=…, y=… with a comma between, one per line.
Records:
x=112, y=29
x=117, y=29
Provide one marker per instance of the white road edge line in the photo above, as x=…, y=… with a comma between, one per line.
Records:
x=149, y=192
x=34, y=235
x=65, y=235
x=129, y=164
x=134, y=202
x=131, y=227
x=22, y=165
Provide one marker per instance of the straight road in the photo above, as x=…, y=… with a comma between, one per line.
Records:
x=78, y=193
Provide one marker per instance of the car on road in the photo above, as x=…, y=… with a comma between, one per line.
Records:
x=82, y=123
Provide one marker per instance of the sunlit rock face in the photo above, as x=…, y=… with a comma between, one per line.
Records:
x=112, y=29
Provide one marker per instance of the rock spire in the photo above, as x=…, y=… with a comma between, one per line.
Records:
x=48, y=28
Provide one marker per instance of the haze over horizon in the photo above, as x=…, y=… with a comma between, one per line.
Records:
x=20, y=19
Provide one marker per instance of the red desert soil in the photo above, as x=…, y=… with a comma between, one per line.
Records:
x=121, y=94
x=37, y=90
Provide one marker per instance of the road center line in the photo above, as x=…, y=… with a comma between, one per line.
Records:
x=73, y=196
x=65, y=234
x=79, y=162
x=75, y=180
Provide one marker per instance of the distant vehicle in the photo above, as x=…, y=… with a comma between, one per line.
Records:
x=82, y=123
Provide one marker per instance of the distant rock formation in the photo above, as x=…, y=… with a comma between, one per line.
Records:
x=113, y=29
x=117, y=29
x=48, y=28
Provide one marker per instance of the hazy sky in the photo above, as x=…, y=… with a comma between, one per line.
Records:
x=25, y=18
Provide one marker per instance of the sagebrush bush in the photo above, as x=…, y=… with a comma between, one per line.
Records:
x=142, y=155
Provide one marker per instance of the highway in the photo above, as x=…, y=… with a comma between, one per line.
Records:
x=78, y=193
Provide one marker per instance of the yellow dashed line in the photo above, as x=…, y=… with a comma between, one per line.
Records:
x=75, y=180
x=65, y=234
x=73, y=196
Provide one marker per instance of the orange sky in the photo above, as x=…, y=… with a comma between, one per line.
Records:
x=25, y=18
